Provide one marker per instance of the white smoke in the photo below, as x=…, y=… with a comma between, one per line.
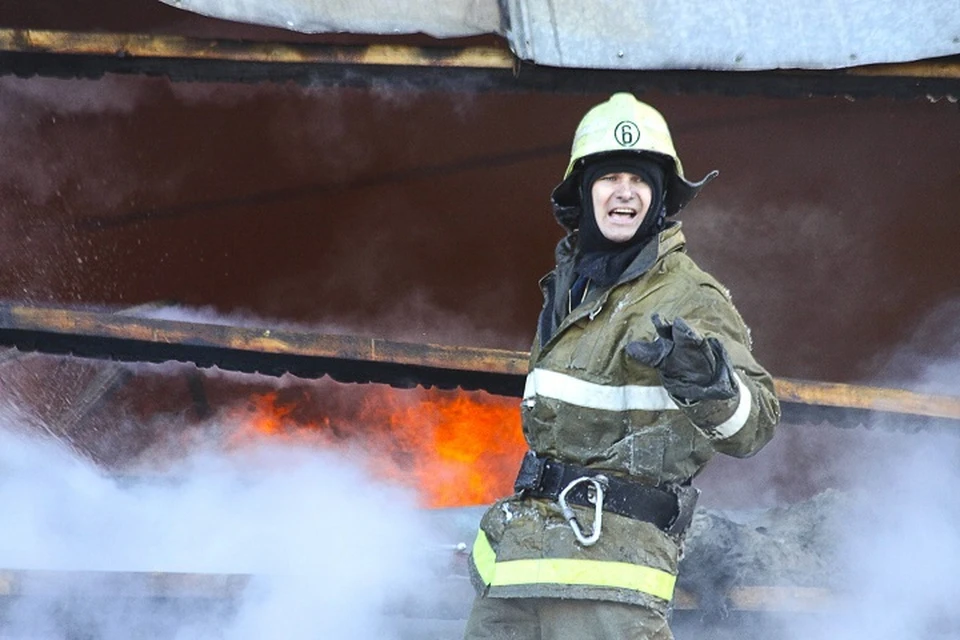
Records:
x=70, y=163
x=333, y=554
x=887, y=538
x=928, y=363
x=899, y=552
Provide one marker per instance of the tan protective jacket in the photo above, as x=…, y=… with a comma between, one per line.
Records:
x=586, y=402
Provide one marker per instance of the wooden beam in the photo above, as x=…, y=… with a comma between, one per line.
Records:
x=141, y=45
x=947, y=68
x=209, y=586
x=849, y=396
x=257, y=340
x=767, y=598
x=268, y=351
x=121, y=584
x=45, y=52
x=111, y=336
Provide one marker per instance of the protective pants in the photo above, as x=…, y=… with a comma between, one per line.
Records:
x=557, y=619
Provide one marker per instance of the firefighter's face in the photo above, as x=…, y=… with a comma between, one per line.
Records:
x=620, y=202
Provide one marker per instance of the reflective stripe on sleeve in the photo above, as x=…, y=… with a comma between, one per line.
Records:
x=628, y=397
x=734, y=423
x=587, y=573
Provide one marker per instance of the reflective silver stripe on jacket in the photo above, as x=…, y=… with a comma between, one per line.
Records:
x=739, y=418
x=628, y=397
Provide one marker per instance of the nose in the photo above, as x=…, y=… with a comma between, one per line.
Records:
x=624, y=189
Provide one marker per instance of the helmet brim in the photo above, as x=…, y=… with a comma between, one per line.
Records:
x=681, y=191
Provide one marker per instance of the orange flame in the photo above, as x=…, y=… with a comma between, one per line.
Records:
x=455, y=448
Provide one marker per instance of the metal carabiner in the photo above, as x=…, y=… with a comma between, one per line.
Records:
x=598, y=483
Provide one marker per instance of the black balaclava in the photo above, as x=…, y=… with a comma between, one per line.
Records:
x=602, y=260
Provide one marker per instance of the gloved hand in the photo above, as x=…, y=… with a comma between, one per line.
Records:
x=692, y=367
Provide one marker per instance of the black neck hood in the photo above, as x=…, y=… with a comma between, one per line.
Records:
x=603, y=260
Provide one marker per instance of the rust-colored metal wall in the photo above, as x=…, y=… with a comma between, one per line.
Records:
x=423, y=215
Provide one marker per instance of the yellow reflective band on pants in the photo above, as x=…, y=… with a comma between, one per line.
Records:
x=589, y=573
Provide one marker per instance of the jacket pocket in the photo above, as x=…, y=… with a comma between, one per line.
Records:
x=538, y=418
x=647, y=452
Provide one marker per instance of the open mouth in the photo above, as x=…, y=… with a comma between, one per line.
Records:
x=623, y=212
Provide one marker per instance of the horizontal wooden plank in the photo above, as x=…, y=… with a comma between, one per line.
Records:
x=272, y=351
x=26, y=52
x=160, y=46
x=145, y=585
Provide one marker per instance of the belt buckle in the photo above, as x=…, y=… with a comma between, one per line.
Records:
x=530, y=476
x=686, y=497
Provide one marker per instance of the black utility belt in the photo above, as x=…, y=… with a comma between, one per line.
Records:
x=669, y=510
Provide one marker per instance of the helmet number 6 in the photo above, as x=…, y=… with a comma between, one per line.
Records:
x=626, y=133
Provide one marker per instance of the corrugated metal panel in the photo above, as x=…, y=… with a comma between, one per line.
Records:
x=646, y=34
x=717, y=34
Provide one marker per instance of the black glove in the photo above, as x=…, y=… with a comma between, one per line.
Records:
x=692, y=367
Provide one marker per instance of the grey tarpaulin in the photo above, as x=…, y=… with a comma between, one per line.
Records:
x=444, y=19
x=641, y=34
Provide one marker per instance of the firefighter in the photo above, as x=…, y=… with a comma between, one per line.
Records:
x=641, y=371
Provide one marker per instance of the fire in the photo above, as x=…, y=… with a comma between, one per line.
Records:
x=455, y=448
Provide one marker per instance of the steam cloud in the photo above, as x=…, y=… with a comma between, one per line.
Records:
x=31, y=109
x=899, y=554
x=336, y=555
x=333, y=554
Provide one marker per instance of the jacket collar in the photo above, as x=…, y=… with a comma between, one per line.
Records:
x=669, y=240
x=554, y=319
